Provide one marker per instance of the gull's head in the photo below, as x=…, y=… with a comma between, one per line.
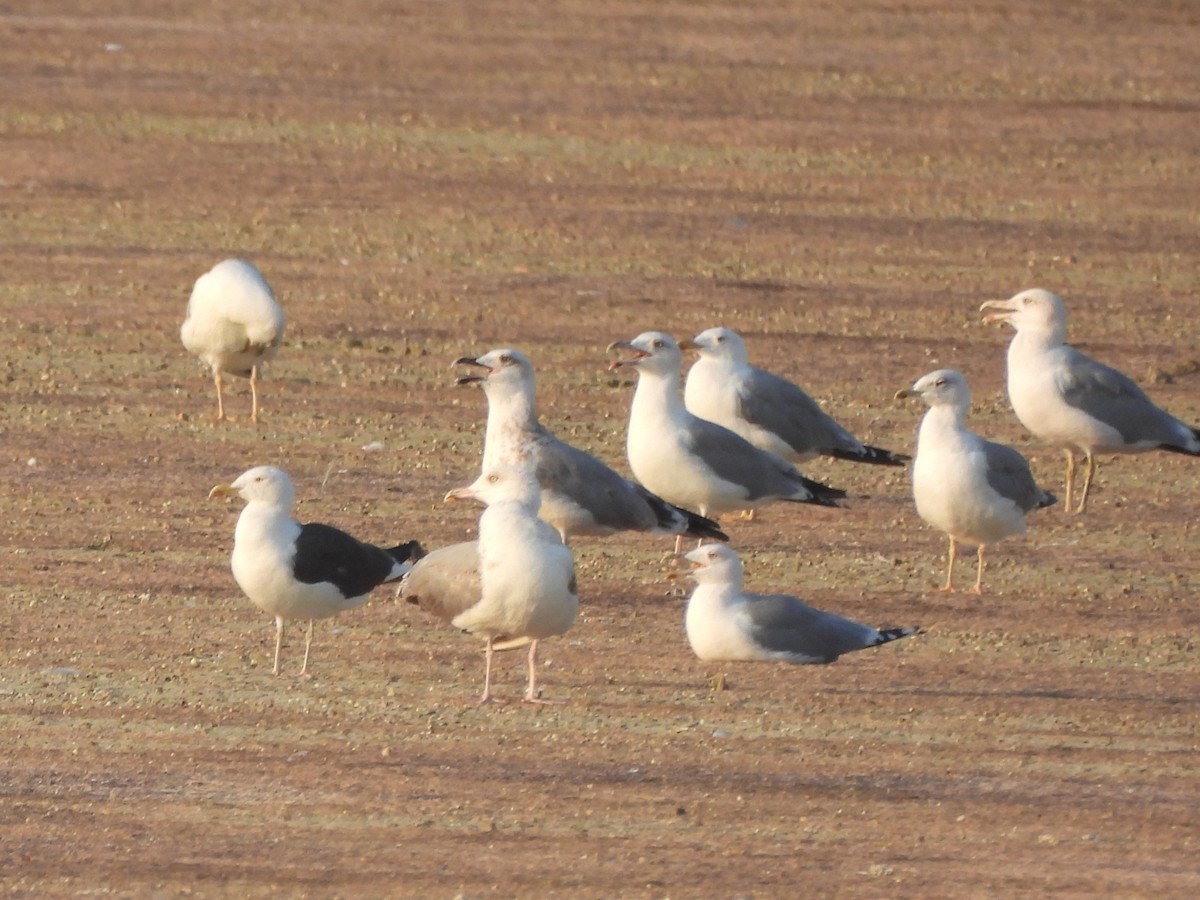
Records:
x=262, y=484
x=502, y=484
x=504, y=366
x=717, y=343
x=1033, y=310
x=651, y=352
x=714, y=564
x=945, y=387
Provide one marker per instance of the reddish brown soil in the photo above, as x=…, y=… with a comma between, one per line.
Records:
x=844, y=184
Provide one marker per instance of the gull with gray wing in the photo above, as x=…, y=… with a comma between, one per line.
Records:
x=724, y=622
x=690, y=461
x=976, y=491
x=1072, y=401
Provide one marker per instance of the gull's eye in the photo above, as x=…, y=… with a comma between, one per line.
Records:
x=940, y=382
x=713, y=554
x=658, y=345
x=492, y=479
x=720, y=338
x=1027, y=300
x=505, y=359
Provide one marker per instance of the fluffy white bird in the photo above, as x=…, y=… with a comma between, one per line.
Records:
x=1072, y=401
x=726, y=623
x=976, y=491
x=768, y=411
x=445, y=582
x=234, y=324
x=690, y=461
x=527, y=574
x=294, y=571
x=580, y=494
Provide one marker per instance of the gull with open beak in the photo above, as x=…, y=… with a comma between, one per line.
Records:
x=580, y=494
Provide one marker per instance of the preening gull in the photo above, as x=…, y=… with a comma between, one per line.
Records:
x=234, y=324
x=527, y=574
x=976, y=491
x=294, y=571
x=580, y=494
x=690, y=461
x=726, y=623
x=1074, y=402
x=768, y=411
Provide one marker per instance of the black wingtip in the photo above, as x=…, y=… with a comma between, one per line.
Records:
x=875, y=456
x=894, y=634
x=408, y=552
x=1048, y=499
x=701, y=527
x=1186, y=451
x=823, y=494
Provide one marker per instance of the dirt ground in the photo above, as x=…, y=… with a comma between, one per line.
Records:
x=842, y=183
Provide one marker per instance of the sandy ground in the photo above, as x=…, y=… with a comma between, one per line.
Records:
x=424, y=181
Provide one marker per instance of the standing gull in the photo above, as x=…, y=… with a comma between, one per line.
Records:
x=690, y=461
x=1074, y=402
x=294, y=571
x=726, y=623
x=527, y=575
x=580, y=494
x=445, y=582
x=976, y=491
x=768, y=411
x=234, y=324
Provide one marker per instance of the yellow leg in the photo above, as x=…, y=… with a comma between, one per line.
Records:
x=978, y=589
x=254, y=394
x=1070, y=480
x=747, y=514
x=1087, y=481
x=950, y=566
x=220, y=399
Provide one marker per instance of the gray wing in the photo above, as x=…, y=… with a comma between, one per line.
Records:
x=784, y=624
x=1009, y=475
x=760, y=473
x=1114, y=399
x=612, y=500
x=782, y=408
x=445, y=582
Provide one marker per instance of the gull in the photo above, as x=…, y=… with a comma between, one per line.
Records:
x=690, y=461
x=768, y=411
x=234, y=324
x=976, y=491
x=445, y=582
x=726, y=623
x=580, y=494
x=294, y=571
x=1074, y=402
x=527, y=574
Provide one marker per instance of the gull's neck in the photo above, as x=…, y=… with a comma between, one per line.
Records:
x=656, y=399
x=512, y=414
x=1038, y=338
x=260, y=518
x=944, y=417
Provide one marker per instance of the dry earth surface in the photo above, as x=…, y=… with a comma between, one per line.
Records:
x=844, y=183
